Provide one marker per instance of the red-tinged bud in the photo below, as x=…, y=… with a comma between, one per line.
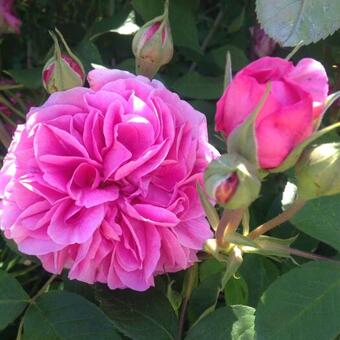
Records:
x=232, y=181
x=152, y=45
x=64, y=70
x=226, y=188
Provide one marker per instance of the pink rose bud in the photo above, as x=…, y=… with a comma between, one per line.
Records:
x=9, y=23
x=318, y=171
x=232, y=181
x=261, y=45
x=289, y=115
x=152, y=45
x=63, y=71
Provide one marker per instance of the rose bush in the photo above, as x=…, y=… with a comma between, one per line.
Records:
x=102, y=181
x=296, y=100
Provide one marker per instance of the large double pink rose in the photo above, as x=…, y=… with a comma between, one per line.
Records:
x=101, y=180
x=290, y=113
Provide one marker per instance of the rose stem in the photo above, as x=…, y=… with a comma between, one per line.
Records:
x=279, y=219
x=210, y=35
x=230, y=220
x=307, y=255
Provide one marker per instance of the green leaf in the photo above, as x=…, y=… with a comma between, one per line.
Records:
x=183, y=24
x=204, y=297
x=236, y=323
x=319, y=218
x=209, y=268
x=89, y=54
x=79, y=288
x=237, y=55
x=105, y=25
x=258, y=272
x=148, y=9
x=60, y=315
x=236, y=291
x=290, y=21
x=146, y=315
x=237, y=23
x=243, y=328
x=30, y=78
x=301, y=304
x=197, y=86
x=13, y=299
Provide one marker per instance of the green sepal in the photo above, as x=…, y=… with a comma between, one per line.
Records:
x=70, y=53
x=271, y=246
x=328, y=103
x=209, y=210
x=234, y=262
x=242, y=140
x=228, y=73
x=239, y=240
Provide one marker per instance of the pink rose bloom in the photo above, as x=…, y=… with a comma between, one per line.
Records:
x=101, y=181
x=9, y=23
x=290, y=113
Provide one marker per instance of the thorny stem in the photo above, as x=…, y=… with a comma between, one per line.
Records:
x=32, y=300
x=279, y=219
x=192, y=272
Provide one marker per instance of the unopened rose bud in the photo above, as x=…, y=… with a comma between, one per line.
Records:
x=152, y=45
x=64, y=70
x=318, y=171
x=232, y=181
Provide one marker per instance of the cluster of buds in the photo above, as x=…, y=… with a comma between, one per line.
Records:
x=64, y=70
x=152, y=45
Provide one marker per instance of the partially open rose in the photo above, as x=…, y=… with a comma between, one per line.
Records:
x=291, y=112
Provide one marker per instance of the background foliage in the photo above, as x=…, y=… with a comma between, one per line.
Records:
x=267, y=299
